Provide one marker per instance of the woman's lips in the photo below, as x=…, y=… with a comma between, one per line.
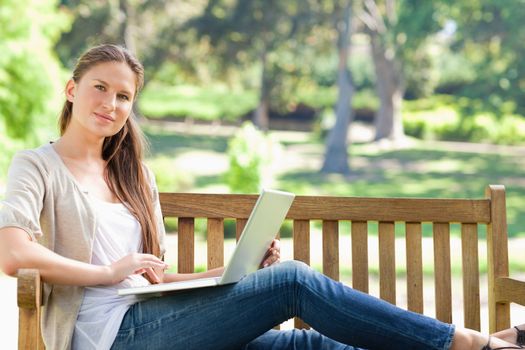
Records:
x=105, y=117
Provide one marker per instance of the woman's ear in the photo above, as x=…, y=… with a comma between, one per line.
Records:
x=70, y=90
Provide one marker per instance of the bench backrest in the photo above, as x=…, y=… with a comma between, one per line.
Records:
x=412, y=212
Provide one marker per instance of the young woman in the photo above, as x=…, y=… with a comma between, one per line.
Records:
x=84, y=210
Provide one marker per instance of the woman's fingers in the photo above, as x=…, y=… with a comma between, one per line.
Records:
x=151, y=276
x=136, y=264
x=276, y=244
x=273, y=254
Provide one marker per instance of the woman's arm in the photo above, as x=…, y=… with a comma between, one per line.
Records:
x=18, y=251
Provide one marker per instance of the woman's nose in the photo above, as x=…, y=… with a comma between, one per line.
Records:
x=110, y=102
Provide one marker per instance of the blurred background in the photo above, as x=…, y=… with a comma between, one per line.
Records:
x=324, y=97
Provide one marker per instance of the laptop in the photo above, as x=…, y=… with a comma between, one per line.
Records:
x=264, y=222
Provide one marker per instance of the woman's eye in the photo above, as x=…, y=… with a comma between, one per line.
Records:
x=123, y=97
x=100, y=87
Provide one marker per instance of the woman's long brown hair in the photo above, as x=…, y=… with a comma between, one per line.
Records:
x=123, y=152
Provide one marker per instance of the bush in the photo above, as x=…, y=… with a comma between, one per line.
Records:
x=251, y=154
x=446, y=118
x=511, y=130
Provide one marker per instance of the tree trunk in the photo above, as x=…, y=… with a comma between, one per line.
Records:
x=390, y=89
x=336, y=154
x=261, y=116
x=127, y=28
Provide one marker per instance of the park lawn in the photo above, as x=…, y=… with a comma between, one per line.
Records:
x=425, y=169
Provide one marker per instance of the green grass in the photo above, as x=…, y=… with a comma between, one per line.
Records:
x=204, y=103
x=424, y=170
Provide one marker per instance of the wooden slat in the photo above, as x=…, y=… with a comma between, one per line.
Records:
x=360, y=255
x=301, y=252
x=331, y=249
x=331, y=208
x=498, y=259
x=414, y=257
x=239, y=226
x=443, y=283
x=29, y=299
x=215, y=243
x=510, y=290
x=469, y=255
x=186, y=251
x=29, y=294
x=387, y=262
x=301, y=241
x=29, y=335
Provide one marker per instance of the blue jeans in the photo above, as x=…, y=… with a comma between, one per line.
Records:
x=241, y=316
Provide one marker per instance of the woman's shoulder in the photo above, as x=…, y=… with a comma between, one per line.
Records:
x=43, y=155
x=41, y=159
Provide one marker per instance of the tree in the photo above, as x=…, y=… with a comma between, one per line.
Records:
x=336, y=154
x=149, y=28
x=242, y=33
x=490, y=34
x=397, y=29
x=30, y=74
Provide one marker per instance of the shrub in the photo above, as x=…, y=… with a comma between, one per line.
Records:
x=251, y=155
x=446, y=118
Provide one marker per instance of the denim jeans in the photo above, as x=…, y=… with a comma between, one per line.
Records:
x=241, y=316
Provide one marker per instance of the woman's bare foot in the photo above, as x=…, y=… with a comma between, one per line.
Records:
x=465, y=339
x=509, y=335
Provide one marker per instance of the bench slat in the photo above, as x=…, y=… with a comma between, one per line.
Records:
x=359, y=233
x=239, y=226
x=509, y=290
x=215, y=243
x=301, y=240
x=469, y=255
x=443, y=284
x=387, y=262
x=331, y=249
x=301, y=252
x=186, y=245
x=29, y=301
x=332, y=208
x=498, y=259
x=414, y=258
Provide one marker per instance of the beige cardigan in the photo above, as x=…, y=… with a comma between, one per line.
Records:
x=44, y=199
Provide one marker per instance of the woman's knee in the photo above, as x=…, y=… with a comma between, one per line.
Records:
x=293, y=269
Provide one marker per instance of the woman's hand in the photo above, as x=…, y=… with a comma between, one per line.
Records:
x=135, y=263
x=158, y=272
x=273, y=254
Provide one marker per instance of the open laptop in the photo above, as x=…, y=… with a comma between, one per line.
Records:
x=264, y=222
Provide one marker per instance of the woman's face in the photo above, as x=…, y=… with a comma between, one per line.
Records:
x=102, y=98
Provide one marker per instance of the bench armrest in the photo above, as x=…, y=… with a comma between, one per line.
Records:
x=29, y=290
x=509, y=290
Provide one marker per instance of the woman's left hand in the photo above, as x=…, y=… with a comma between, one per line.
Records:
x=273, y=254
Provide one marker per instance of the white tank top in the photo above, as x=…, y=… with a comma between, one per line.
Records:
x=117, y=235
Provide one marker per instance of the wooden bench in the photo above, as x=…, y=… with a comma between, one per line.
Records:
x=384, y=212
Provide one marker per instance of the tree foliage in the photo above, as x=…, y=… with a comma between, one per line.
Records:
x=30, y=75
x=490, y=35
x=277, y=37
